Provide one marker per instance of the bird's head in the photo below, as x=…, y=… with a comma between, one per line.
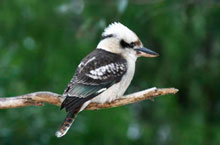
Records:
x=119, y=39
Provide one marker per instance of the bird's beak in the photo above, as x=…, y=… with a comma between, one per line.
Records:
x=146, y=52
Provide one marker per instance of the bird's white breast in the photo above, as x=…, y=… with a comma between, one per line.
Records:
x=117, y=90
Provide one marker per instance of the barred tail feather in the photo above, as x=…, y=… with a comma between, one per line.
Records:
x=66, y=124
x=73, y=106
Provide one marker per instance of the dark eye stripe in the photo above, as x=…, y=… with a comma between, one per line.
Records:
x=127, y=45
x=124, y=44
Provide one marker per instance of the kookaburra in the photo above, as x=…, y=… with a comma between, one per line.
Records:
x=105, y=74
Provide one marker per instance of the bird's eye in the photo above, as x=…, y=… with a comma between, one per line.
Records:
x=132, y=44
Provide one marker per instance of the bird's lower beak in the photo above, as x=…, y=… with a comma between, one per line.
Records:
x=146, y=52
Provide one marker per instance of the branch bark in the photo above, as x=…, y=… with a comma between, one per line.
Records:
x=39, y=98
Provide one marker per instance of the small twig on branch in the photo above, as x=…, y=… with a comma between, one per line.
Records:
x=38, y=98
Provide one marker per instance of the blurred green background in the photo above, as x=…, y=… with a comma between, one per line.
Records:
x=42, y=42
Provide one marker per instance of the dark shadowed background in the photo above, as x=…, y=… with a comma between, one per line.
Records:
x=43, y=41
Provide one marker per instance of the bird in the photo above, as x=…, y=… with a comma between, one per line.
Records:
x=105, y=74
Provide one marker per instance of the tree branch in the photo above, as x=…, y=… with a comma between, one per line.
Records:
x=39, y=98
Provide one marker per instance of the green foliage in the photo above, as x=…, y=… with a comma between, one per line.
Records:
x=42, y=42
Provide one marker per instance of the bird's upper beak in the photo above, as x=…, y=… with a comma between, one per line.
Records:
x=146, y=52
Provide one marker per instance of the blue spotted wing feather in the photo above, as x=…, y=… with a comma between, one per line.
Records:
x=96, y=73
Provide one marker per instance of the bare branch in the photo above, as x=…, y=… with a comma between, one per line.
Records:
x=38, y=98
